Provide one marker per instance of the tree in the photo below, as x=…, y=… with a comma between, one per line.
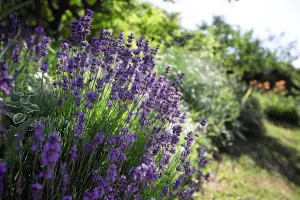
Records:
x=241, y=53
x=117, y=15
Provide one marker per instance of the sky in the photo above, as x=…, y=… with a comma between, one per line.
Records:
x=265, y=17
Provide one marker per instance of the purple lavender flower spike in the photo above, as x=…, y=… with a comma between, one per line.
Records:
x=87, y=147
x=13, y=16
x=80, y=29
x=187, y=193
x=44, y=67
x=43, y=49
x=203, y=162
x=165, y=190
x=137, y=197
x=98, y=139
x=96, y=193
x=38, y=136
x=73, y=153
x=164, y=161
x=167, y=69
x=2, y=130
x=207, y=175
x=116, y=155
x=144, y=173
x=110, y=197
x=65, y=178
x=178, y=168
x=48, y=173
x=38, y=129
x=67, y=197
x=202, y=125
x=111, y=173
x=131, y=188
x=91, y=97
x=39, y=30
x=79, y=127
x=88, y=196
x=80, y=82
x=178, y=182
x=60, y=102
x=3, y=170
x=36, y=189
x=16, y=57
x=128, y=140
x=51, y=150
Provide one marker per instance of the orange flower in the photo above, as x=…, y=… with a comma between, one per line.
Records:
x=280, y=83
x=253, y=82
x=266, y=85
x=276, y=90
x=259, y=85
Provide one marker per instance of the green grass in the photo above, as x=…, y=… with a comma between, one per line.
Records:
x=258, y=169
x=281, y=108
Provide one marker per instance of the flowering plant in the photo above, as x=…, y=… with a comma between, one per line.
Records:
x=278, y=87
x=115, y=131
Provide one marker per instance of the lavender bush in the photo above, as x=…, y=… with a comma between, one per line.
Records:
x=114, y=131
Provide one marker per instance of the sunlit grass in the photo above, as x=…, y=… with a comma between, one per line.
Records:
x=243, y=178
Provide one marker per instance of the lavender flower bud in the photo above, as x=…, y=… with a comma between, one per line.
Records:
x=36, y=189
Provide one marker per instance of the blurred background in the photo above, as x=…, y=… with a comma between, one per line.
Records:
x=241, y=66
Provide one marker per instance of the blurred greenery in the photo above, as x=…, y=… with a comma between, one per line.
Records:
x=280, y=108
x=208, y=91
x=251, y=118
x=117, y=15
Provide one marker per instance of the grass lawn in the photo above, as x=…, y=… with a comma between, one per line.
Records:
x=260, y=168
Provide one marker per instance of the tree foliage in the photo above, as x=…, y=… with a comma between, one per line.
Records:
x=242, y=53
x=118, y=15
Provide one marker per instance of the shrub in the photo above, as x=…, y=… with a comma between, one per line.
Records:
x=278, y=107
x=208, y=91
x=251, y=118
x=111, y=128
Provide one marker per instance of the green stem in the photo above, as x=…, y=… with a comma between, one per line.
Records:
x=41, y=98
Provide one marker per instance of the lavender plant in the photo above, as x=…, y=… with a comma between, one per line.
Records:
x=115, y=131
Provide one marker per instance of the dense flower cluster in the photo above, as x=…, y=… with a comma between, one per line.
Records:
x=9, y=28
x=6, y=80
x=50, y=154
x=277, y=87
x=34, y=48
x=36, y=42
x=119, y=134
x=81, y=28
